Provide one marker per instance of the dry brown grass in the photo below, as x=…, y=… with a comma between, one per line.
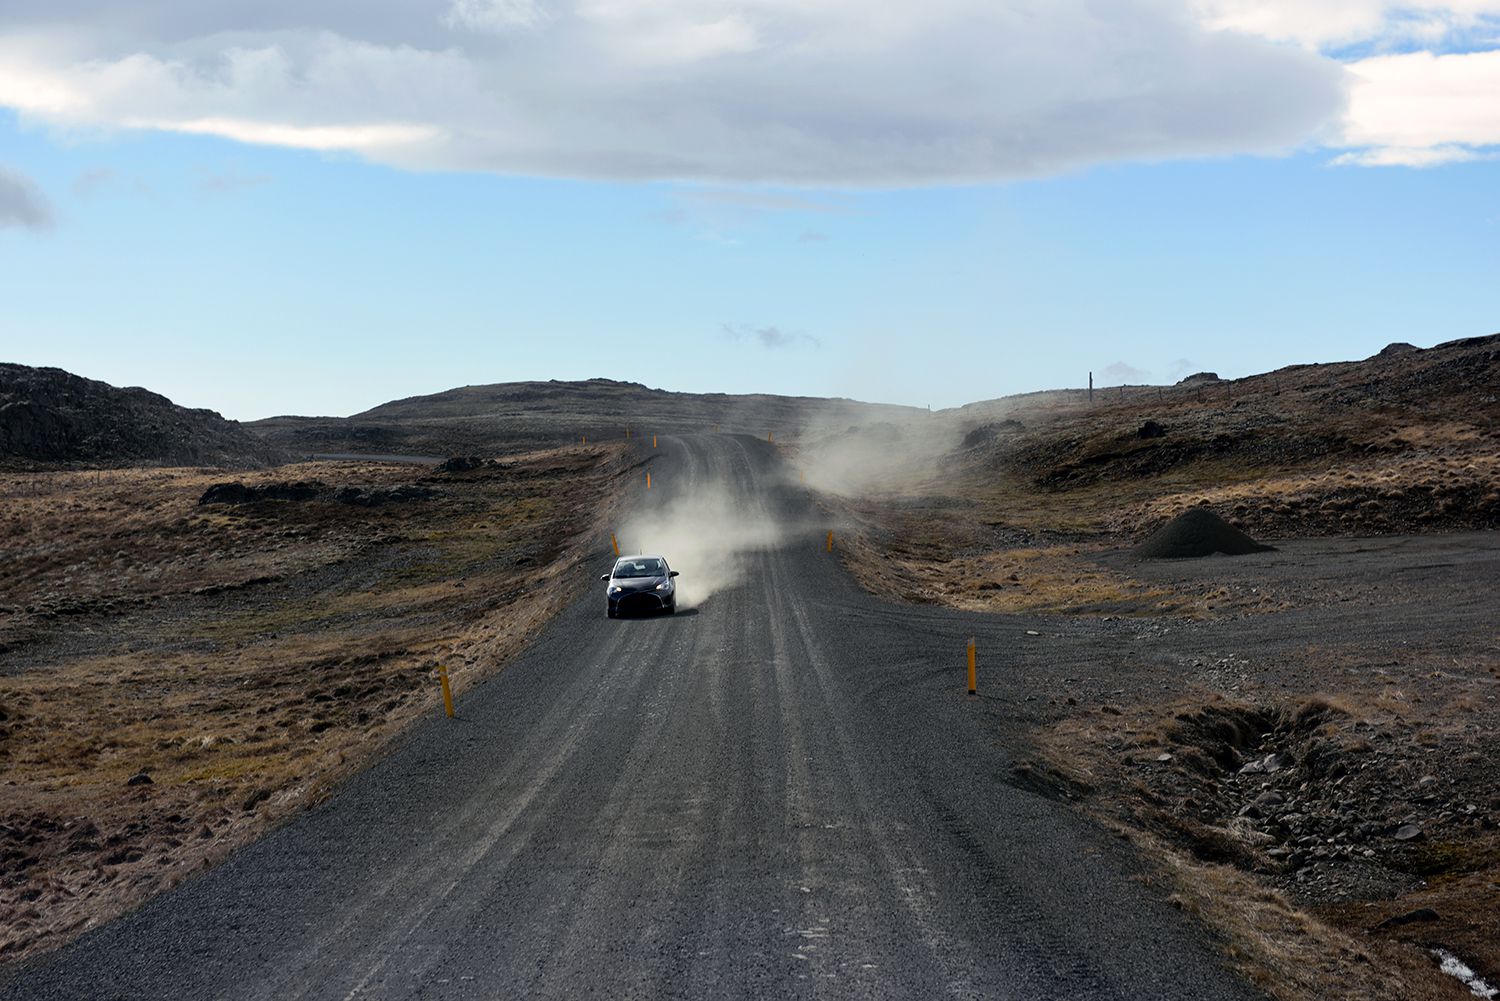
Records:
x=313, y=643
x=1399, y=493
x=1280, y=947
x=1410, y=446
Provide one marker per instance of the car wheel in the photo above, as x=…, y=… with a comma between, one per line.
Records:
x=672, y=607
x=609, y=611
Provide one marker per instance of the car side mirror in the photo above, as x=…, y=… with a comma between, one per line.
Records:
x=604, y=576
x=673, y=574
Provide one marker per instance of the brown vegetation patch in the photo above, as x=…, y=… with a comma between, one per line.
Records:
x=1399, y=443
x=174, y=677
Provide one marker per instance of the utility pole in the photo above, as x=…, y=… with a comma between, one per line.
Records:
x=1091, y=387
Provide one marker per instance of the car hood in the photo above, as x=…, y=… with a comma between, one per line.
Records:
x=630, y=584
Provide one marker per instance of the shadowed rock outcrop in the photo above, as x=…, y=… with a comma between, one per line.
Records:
x=54, y=417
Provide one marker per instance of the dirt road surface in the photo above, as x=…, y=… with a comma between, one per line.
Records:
x=782, y=793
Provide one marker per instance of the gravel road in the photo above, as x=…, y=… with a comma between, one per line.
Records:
x=783, y=793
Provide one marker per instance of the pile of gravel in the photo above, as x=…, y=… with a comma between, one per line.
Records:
x=1197, y=532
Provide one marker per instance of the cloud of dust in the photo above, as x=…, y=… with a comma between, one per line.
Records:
x=706, y=535
x=898, y=456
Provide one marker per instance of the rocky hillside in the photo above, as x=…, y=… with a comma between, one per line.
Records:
x=1401, y=441
x=52, y=417
x=503, y=417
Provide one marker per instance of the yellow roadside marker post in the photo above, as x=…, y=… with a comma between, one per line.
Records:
x=770, y=436
x=648, y=481
x=615, y=545
x=447, y=691
x=973, y=681
x=801, y=475
x=830, y=540
x=585, y=439
x=653, y=441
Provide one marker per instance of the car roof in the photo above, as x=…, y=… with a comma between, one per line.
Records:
x=641, y=556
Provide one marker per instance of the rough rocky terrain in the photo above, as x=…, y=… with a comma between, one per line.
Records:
x=1316, y=780
x=50, y=417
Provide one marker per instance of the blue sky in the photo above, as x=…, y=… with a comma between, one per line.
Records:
x=258, y=278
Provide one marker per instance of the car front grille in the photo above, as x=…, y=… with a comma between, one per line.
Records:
x=640, y=601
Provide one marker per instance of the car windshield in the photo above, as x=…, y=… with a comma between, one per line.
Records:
x=640, y=568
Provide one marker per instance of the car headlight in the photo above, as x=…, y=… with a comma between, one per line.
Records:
x=615, y=589
x=664, y=586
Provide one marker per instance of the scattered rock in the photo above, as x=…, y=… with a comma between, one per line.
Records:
x=139, y=779
x=981, y=435
x=376, y=496
x=1151, y=429
x=1268, y=765
x=460, y=464
x=1198, y=377
x=238, y=493
x=1407, y=832
x=1421, y=914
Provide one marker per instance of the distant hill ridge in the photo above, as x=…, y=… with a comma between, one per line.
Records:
x=599, y=395
x=508, y=416
x=49, y=416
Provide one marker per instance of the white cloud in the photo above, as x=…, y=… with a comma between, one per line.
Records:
x=370, y=138
x=498, y=16
x=802, y=92
x=1323, y=24
x=1428, y=92
x=1420, y=109
x=843, y=92
x=1397, y=156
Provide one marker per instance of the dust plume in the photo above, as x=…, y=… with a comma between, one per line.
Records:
x=706, y=535
x=879, y=457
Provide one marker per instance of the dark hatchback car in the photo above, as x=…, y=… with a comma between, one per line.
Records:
x=640, y=585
